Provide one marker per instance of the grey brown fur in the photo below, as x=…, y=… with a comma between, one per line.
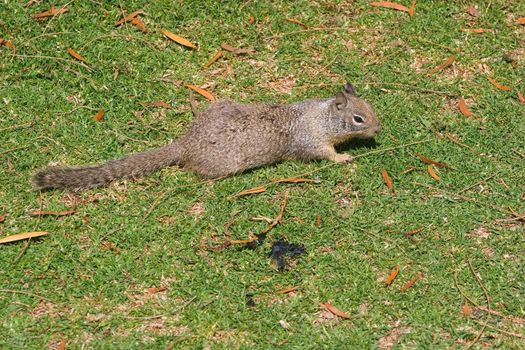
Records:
x=228, y=138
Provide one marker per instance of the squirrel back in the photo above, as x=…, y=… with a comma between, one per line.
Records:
x=229, y=138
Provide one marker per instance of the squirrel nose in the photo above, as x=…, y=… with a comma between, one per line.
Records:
x=377, y=128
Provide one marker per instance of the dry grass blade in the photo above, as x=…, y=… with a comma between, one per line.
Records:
x=52, y=213
x=129, y=17
x=178, y=39
x=330, y=308
x=254, y=190
x=53, y=11
x=410, y=283
x=76, y=55
x=472, y=30
x=391, y=5
x=392, y=276
x=289, y=290
x=202, y=92
x=443, y=65
x=498, y=85
x=100, y=115
x=21, y=236
x=213, y=59
x=432, y=173
x=463, y=108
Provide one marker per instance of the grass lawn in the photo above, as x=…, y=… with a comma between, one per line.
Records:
x=133, y=266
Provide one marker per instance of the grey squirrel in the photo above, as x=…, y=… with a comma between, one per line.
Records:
x=228, y=138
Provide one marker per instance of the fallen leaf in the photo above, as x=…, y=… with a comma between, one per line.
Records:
x=213, y=59
x=236, y=50
x=390, y=340
x=472, y=30
x=498, y=85
x=76, y=55
x=179, y=39
x=411, y=282
x=2, y=218
x=464, y=109
x=61, y=345
x=161, y=104
x=329, y=307
x=521, y=20
x=473, y=11
x=129, y=17
x=7, y=43
x=21, y=236
x=155, y=290
x=52, y=213
x=432, y=172
x=53, y=11
x=466, y=310
x=391, y=5
x=254, y=190
x=392, y=276
x=289, y=290
x=137, y=22
x=318, y=221
x=296, y=21
x=430, y=161
x=388, y=180
x=100, y=115
x=202, y=92
x=520, y=96
x=414, y=231
x=443, y=65
x=251, y=20
x=293, y=180
x=412, y=9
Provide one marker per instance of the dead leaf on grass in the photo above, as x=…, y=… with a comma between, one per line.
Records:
x=329, y=307
x=430, y=161
x=466, y=310
x=202, y=92
x=76, y=55
x=443, y=65
x=463, y=108
x=161, y=104
x=235, y=50
x=498, y=85
x=520, y=97
x=473, y=11
x=53, y=11
x=129, y=17
x=137, y=22
x=100, y=115
x=7, y=43
x=155, y=290
x=197, y=209
x=296, y=21
x=388, y=180
x=62, y=345
x=392, y=276
x=521, y=20
x=289, y=290
x=178, y=39
x=391, y=5
x=392, y=338
x=52, y=213
x=474, y=30
x=213, y=59
x=21, y=236
x=254, y=190
x=432, y=173
x=410, y=283
x=2, y=218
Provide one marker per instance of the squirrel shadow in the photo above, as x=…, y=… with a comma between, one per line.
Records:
x=356, y=144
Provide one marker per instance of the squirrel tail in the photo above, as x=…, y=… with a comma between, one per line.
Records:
x=132, y=166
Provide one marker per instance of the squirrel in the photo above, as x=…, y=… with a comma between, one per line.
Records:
x=228, y=138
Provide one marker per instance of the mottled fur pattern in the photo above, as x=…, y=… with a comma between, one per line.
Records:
x=229, y=138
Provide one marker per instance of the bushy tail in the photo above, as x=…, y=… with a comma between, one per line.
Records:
x=132, y=166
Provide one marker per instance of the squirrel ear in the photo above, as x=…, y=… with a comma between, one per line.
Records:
x=340, y=101
x=349, y=89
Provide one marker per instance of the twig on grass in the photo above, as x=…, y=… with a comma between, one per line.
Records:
x=13, y=149
x=499, y=329
x=25, y=293
x=19, y=126
x=43, y=57
x=477, y=183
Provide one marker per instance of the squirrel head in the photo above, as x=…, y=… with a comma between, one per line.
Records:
x=353, y=116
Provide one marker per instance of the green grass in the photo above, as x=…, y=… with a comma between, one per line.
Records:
x=94, y=266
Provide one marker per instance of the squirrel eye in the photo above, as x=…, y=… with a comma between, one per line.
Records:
x=358, y=119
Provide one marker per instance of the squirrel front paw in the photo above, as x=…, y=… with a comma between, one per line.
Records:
x=343, y=158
